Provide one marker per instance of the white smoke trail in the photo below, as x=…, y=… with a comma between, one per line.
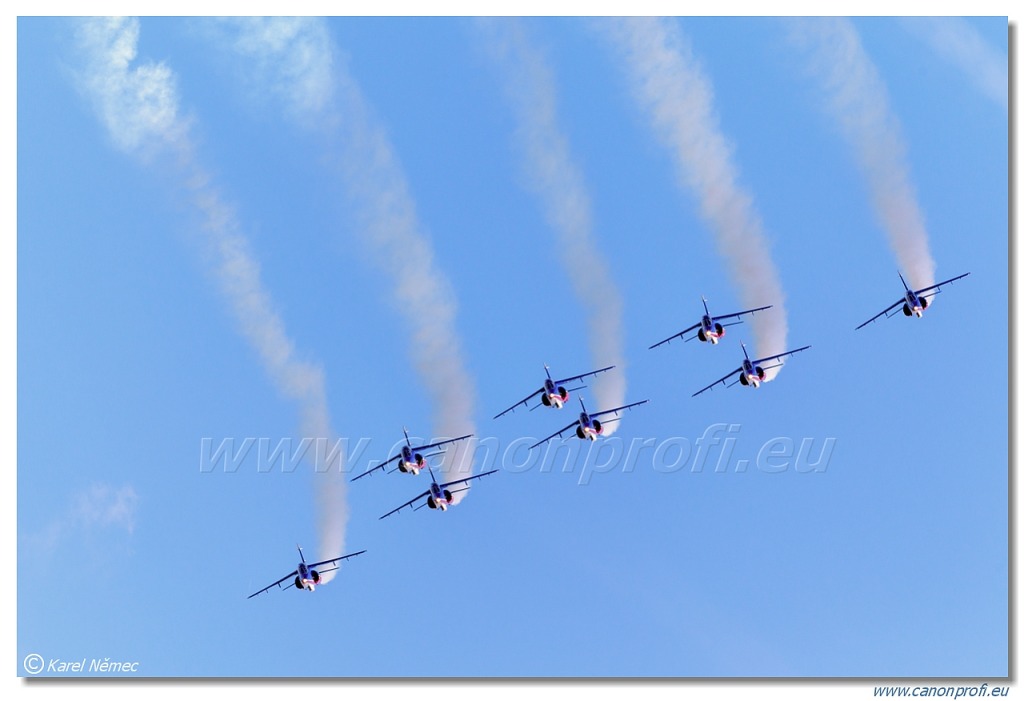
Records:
x=294, y=54
x=555, y=177
x=857, y=98
x=139, y=106
x=672, y=88
x=960, y=44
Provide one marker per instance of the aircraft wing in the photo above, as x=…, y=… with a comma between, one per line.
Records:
x=586, y=374
x=336, y=560
x=882, y=313
x=779, y=356
x=613, y=411
x=716, y=382
x=408, y=503
x=519, y=404
x=450, y=440
x=749, y=311
x=938, y=285
x=553, y=435
x=378, y=467
x=277, y=583
x=467, y=479
x=675, y=335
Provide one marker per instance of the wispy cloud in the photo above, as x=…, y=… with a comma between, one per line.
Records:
x=299, y=53
x=555, y=177
x=856, y=97
x=103, y=505
x=673, y=90
x=960, y=44
x=138, y=104
x=95, y=509
x=291, y=59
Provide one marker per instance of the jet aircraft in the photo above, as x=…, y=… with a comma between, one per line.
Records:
x=410, y=459
x=914, y=301
x=438, y=496
x=710, y=329
x=751, y=371
x=553, y=393
x=587, y=426
x=307, y=576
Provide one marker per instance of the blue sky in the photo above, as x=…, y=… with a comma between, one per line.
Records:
x=889, y=560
